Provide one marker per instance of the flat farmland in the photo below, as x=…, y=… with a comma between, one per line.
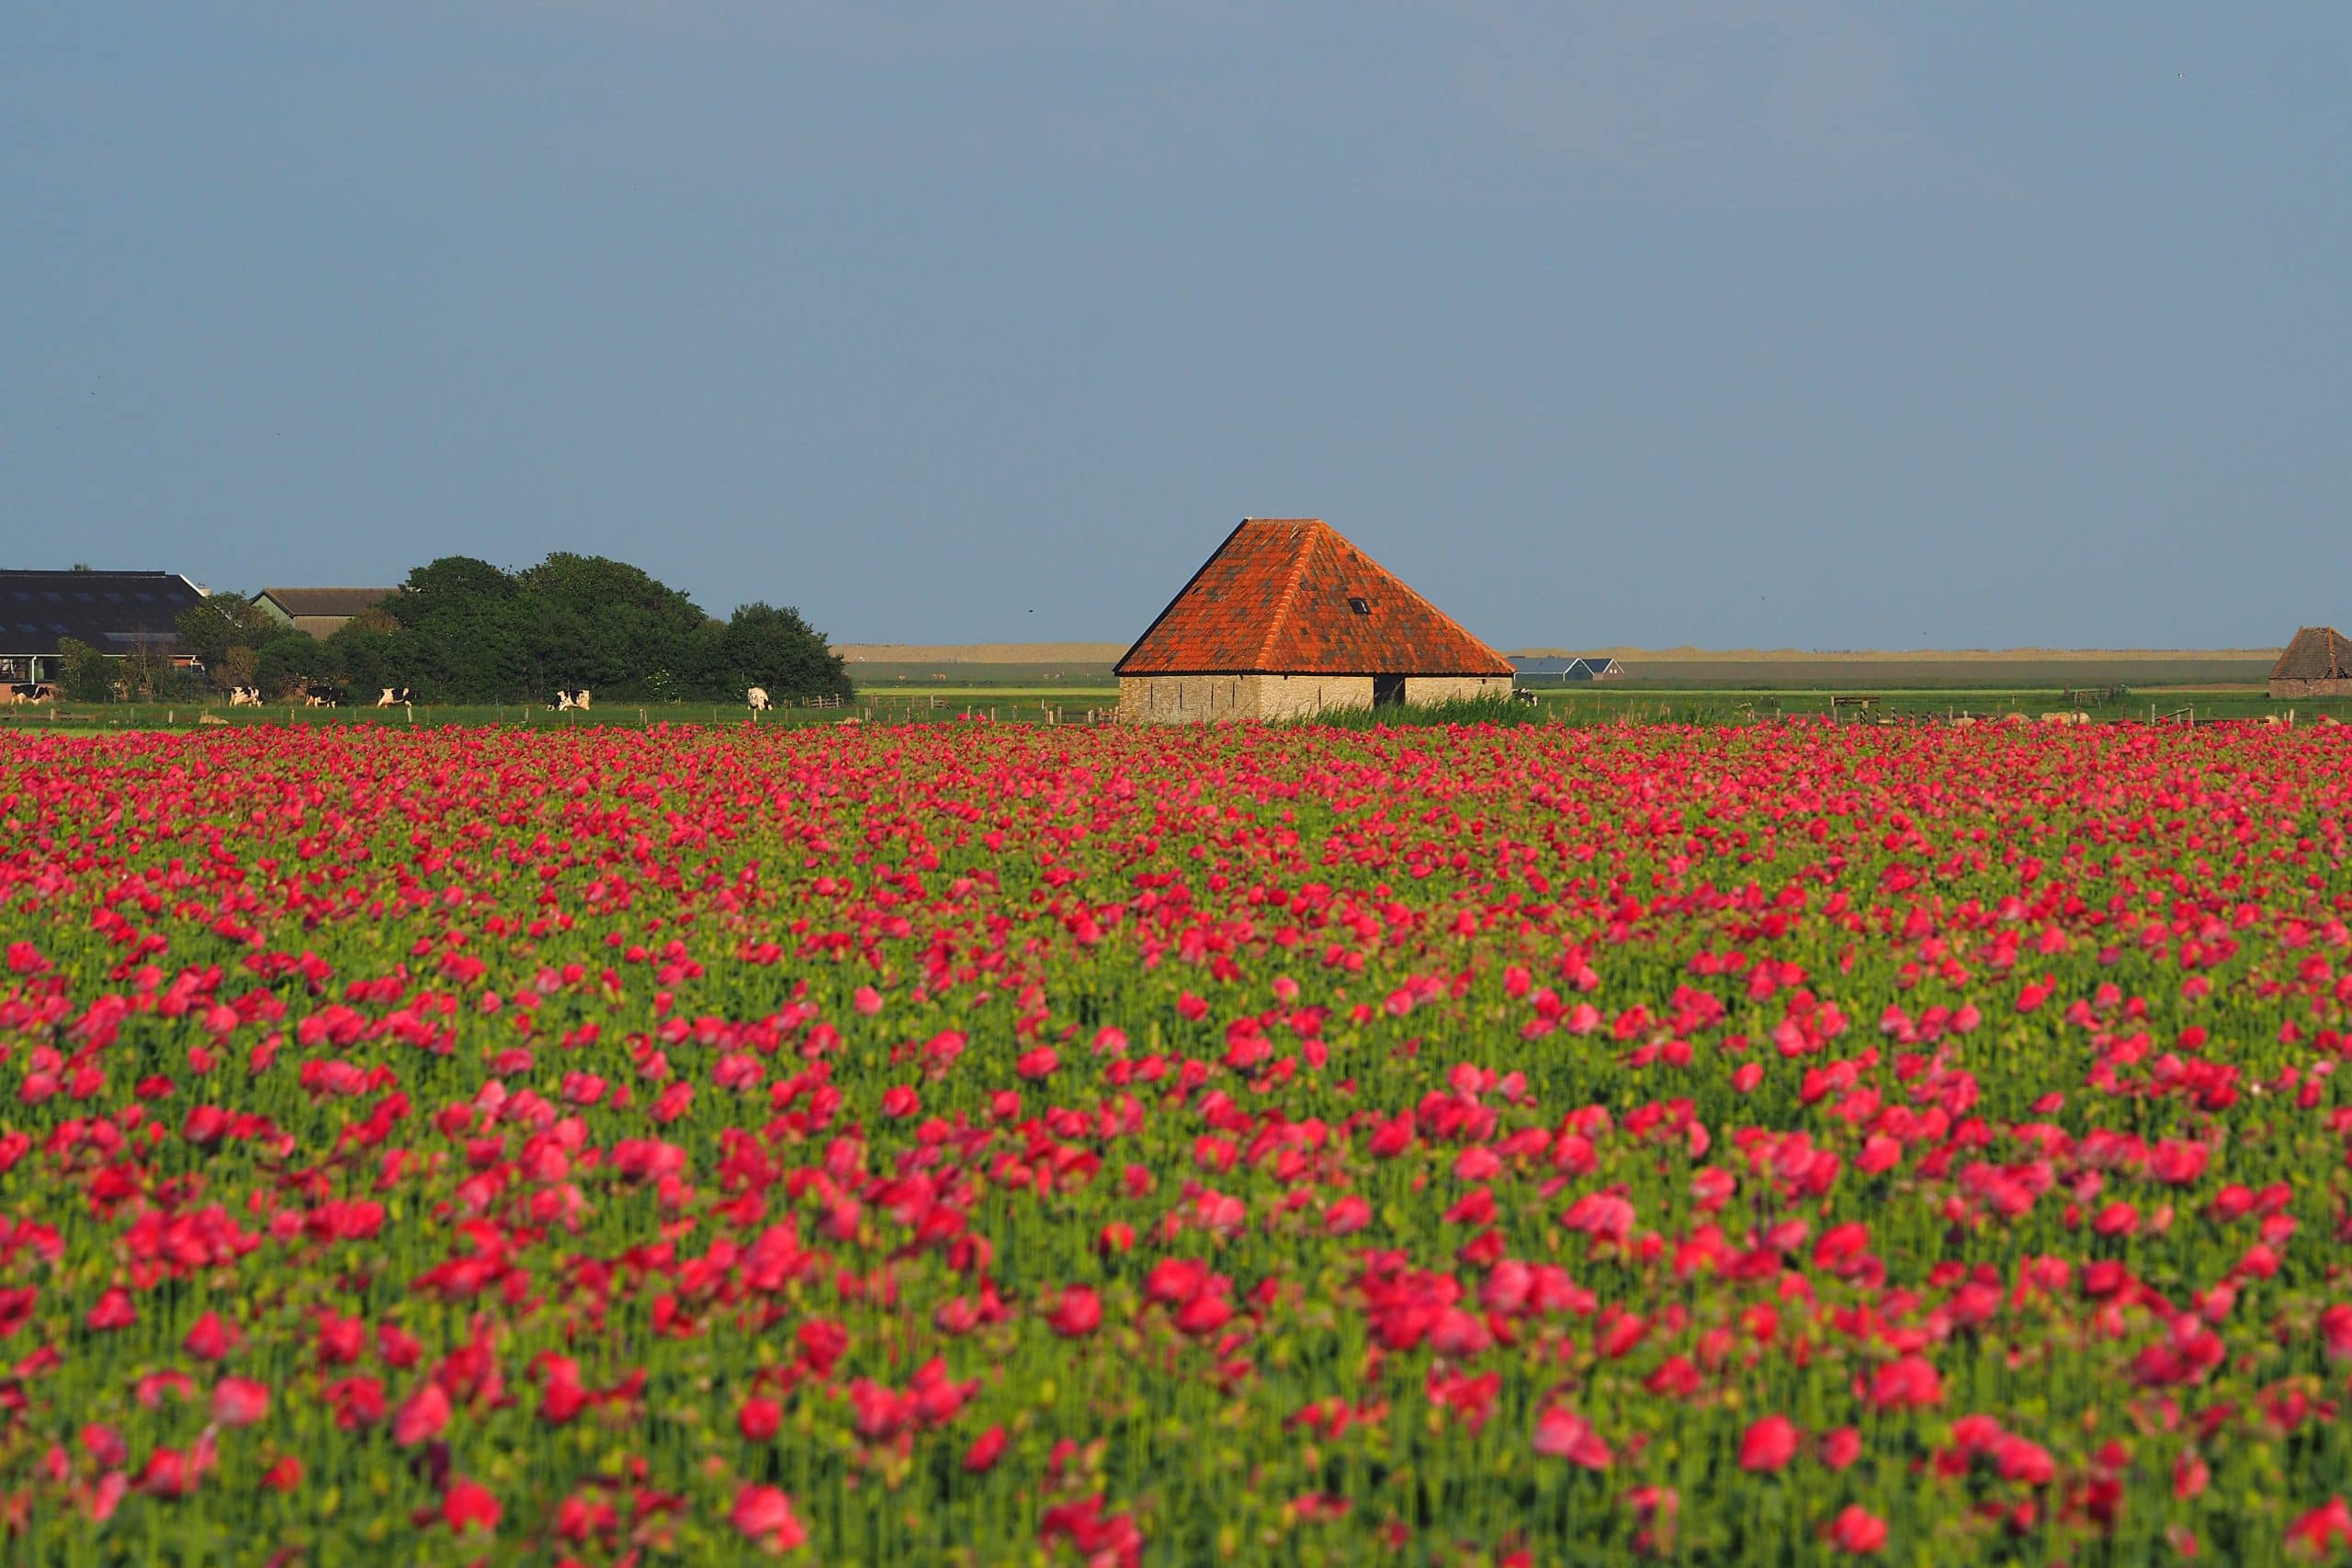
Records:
x=1068, y=666
x=1057, y=665
x=878, y=676
x=1932, y=674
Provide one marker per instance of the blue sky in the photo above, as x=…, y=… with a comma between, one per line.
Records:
x=1733, y=322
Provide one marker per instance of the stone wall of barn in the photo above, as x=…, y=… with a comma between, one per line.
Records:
x=1423, y=688
x=1182, y=699
x=1303, y=696
x=1208, y=699
x=2311, y=688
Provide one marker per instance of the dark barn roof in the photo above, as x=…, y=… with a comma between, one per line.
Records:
x=2318, y=653
x=326, y=601
x=1288, y=595
x=114, y=612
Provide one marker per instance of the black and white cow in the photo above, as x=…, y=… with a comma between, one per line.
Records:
x=323, y=696
x=394, y=696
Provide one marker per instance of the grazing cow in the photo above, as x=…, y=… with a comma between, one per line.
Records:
x=31, y=692
x=564, y=702
x=322, y=696
x=758, y=697
x=244, y=696
x=394, y=696
x=2077, y=716
x=1525, y=697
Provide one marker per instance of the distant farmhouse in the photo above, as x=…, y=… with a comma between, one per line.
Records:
x=1549, y=671
x=1287, y=620
x=2318, y=663
x=117, y=613
x=321, y=612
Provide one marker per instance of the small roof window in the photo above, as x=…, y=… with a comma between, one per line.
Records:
x=1360, y=605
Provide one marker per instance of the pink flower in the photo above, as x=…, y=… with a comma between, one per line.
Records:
x=468, y=1505
x=113, y=1310
x=1858, y=1530
x=1770, y=1444
x=212, y=1338
x=986, y=1449
x=425, y=1415
x=1562, y=1434
x=1078, y=1314
x=240, y=1402
x=2335, y=1331
x=2321, y=1532
x=764, y=1515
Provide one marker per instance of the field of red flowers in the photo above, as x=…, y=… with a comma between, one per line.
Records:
x=989, y=1146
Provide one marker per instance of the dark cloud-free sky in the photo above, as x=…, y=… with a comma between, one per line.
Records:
x=1721, y=321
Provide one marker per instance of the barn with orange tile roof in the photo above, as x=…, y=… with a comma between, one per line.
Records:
x=2318, y=663
x=1287, y=620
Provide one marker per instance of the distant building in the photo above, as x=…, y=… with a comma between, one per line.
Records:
x=2318, y=663
x=1287, y=620
x=321, y=612
x=117, y=613
x=1563, y=671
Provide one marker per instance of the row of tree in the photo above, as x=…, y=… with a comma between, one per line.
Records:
x=462, y=630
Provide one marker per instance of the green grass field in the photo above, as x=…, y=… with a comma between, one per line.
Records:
x=1034, y=704
x=1004, y=705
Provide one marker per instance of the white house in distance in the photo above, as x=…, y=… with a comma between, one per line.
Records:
x=1287, y=620
x=1565, y=670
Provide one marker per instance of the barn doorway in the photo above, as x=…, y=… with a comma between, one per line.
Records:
x=1388, y=691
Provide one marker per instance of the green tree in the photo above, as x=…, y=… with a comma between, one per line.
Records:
x=610, y=627
x=286, y=664
x=466, y=631
x=775, y=648
x=239, y=666
x=211, y=626
x=86, y=675
x=376, y=651
x=459, y=625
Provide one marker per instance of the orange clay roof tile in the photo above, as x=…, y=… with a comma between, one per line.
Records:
x=1278, y=597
